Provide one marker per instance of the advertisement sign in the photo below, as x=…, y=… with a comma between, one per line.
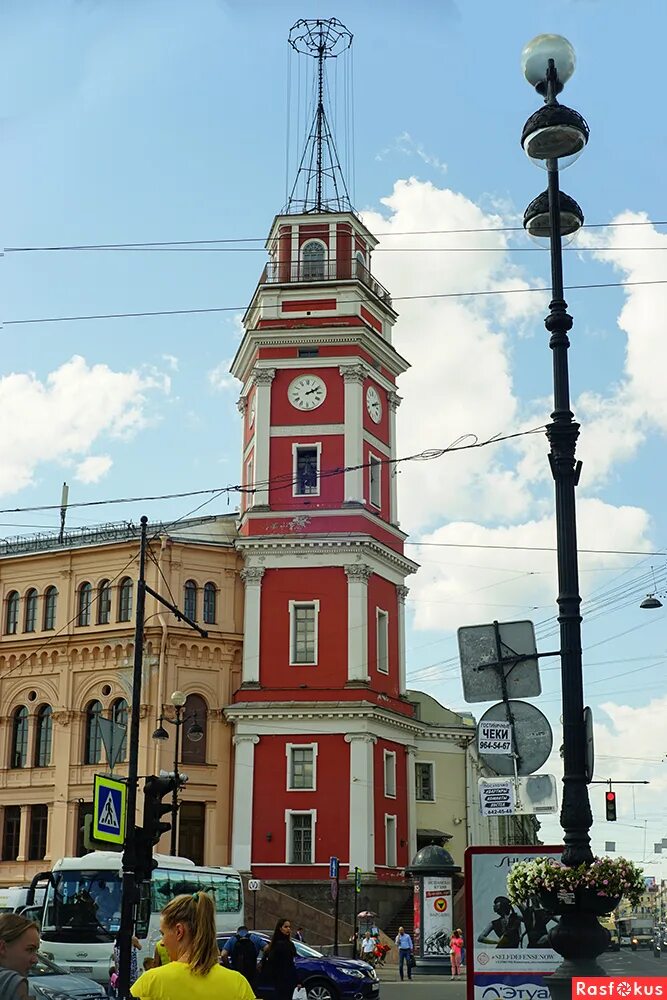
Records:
x=416, y=917
x=494, y=737
x=496, y=796
x=437, y=915
x=506, y=944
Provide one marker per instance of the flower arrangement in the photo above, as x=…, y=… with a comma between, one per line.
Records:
x=608, y=877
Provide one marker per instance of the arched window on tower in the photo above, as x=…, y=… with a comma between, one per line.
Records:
x=313, y=257
x=43, y=736
x=103, y=602
x=210, y=596
x=360, y=269
x=119, y=715
x=92, y=747
x=12, y=612
x=125, y=600
x=19, y=752
x=50, y=602
x=85, y=603
x=190, y=599
x=30, y=621
x=196, y=714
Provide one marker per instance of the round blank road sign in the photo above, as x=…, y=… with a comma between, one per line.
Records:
x=533, y=737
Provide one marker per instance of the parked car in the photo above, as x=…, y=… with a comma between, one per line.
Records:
x=325, y=977
x=47, y=981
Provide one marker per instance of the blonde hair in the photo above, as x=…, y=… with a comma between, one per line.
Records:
x=13, y=925
x=197, y=912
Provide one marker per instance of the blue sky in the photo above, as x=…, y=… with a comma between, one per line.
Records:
x=159, y=121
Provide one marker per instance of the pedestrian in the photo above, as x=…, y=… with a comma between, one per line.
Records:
x=19, y=943
x=160, y=956
x=240, y=953
x=405, y=949
x=187, y=925
x=368, y=948
x=299, y=934
x=134, y=964
x=455, y=952
x=278, y=968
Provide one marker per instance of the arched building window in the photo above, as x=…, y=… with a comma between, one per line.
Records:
x=210, y=595
x=50, y=603
x=12, y=612
x=195, y=711
x=85, y=603
x=103, y=602
x=313, y=255
x=190, y=599
x=119, y=715
x=92, y=747
x=19, y=752
x=43, y=736
x=125, y=600
x=30, y=621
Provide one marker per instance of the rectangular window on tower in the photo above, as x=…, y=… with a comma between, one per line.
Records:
x=300, y=837
x=374, y=481
x=382, y=641
x=303, y=632
x=390, y=774
x=306, y=471
x=424, y=788
x=301, y=759
x=390, y=841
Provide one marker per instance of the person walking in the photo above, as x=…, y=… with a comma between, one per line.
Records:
x=405, y=949
x=240, y=953
x=187, y=925
x=278, y=968
x=368, y=948
x=19, y=943
x=456, y=952
x=160, y=956
x=299, y=934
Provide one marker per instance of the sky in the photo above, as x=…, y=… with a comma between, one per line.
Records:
x=163, y=122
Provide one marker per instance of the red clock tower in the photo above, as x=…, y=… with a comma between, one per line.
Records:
x=323, y=730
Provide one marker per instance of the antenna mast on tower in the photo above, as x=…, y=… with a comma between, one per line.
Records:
x=319, y=185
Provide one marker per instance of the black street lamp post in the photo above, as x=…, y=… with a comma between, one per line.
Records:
x=552, y=136
x=195, y=734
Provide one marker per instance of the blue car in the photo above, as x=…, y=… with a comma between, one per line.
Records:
x=325, y=977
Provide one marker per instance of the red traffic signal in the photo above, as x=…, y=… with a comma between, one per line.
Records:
x=610, y=806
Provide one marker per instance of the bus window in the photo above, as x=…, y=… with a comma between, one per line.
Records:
x=226, y=890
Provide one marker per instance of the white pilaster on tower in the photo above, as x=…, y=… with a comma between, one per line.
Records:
x=410, y=754
x=358, y=575
x=244, y=758
x=353, y=377
x=394, y=401
x=262, y=377
x=362, y=802
x=252, y=577
x=401, y=593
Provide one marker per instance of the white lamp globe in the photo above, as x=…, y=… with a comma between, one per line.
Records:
x=178, y=699
x=537, y=53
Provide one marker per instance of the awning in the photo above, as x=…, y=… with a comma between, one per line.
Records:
x=435, y=834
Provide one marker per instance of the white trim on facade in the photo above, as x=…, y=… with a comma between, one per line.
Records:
x=381, y=640
x=289, y=813
x=289, y=430
x=374, y=481
x=389, y=773
x=430, y=764
x=296, y=446
x=289, y=747
x=390, y=840
x=292, y=606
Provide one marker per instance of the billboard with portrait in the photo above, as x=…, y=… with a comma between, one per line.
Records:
x=506, y=944
x=437, y=915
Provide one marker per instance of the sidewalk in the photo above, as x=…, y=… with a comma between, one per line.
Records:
x=389, y=974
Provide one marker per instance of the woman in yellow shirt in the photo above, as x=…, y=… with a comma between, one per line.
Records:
x=187, y=925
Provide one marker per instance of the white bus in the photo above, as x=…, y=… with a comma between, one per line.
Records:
x=80, y=916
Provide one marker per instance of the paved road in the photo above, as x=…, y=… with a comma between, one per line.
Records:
x=639, y=963
x=427, y=988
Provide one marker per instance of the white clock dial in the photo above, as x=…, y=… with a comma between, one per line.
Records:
x=306, y=392
x=373, y=404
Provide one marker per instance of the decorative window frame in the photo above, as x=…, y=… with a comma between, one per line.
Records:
x=302, y=260
x=296, y=445
x=387, y=756
x=289, y=747
x=388, y=819
x=374, y=481
x=381, y=614
x=430, y=764
x=289, y=813
x=292, y=606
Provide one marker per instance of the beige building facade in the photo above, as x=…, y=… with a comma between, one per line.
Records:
x=66, y=659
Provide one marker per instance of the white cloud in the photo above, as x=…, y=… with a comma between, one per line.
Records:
x=171, y=360
x=93, y=468
x=63, y=416
x=221, y=379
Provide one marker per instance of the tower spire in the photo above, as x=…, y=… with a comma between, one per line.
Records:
x=319, y=185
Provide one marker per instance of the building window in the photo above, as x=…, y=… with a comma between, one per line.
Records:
x=306, y=473
x=39, y=822
x=374, y=481
x=390, y=774
x=125, y=600
x=50, y=602
x=30, y=623
x=93, y=736
x=195, y=713
x=424, y=788
x=301, y=837
x=10, y=833
x=382, y=641
x=85, y=602
x=210, y=595
x=191, y=830
x=390, y=841
x=190, y=599
x=43, y=736
x=313, y=256
x=12, y=613
x=19, y=753
x=301, y=760
x=104, y=602
x=119, y=715
x=303, y=632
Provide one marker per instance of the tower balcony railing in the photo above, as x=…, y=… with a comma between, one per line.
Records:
x=324, y=270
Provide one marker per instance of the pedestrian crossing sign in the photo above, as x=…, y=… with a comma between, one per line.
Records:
x=109, y=809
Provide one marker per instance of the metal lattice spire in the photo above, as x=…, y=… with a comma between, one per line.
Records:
x=319, y=185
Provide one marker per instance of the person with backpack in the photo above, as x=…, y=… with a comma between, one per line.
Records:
x=240, y=953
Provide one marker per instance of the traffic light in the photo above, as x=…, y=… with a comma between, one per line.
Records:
x=610, y=805
x=357, y=879
x=155, y=790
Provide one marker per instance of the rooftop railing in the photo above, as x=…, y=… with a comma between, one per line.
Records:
x=324, y=270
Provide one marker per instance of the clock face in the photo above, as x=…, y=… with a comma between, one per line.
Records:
x=373, y=404
x=306, y=392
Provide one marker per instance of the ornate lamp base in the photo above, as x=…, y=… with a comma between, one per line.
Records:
x=579, y=938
